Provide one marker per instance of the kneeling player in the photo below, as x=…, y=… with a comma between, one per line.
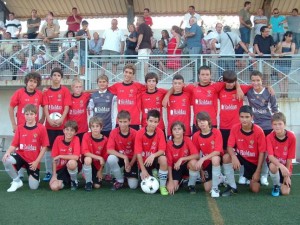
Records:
x=93, y=149
x=182, y=156
x=208, y=141
x=66, y=153
x=249, y=142
x=120, y=146
x=150, y=147
x=281, y=146
x=30, y=143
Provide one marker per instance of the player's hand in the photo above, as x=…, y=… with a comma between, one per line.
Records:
x=149, y=160
x=171, y=187
x=5, y=156
x=127, y=165
x=99, y=175
x=144, y=174
x=33, y=165
x=239, y=94
x=284, y=171
x=52, y=123
x=256, y=176
x=56, y=158
x=58, y=122
x=235, y=163
x=287, y=181
x=178, y=164
x=165, y=102
x=101, y=160
x=202, y=176
x=14, y=127
x=41, y=121
x=199, y=164
x=260, y=54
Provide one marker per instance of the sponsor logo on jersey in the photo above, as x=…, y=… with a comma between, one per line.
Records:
x=203, y=102
x=55, y=107
x=261, y=111
x=101, y=109
x=26, y=147
x=228, y=107
x=246, y=153
x=177, y=112
x=76, y=111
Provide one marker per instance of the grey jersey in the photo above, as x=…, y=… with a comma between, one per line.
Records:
x=263, y=105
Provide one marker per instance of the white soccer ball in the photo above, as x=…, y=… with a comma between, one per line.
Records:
x=55, y=116
x=150, y=185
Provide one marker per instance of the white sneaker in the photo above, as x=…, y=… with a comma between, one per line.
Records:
x=264, y=180
x=15, y=185
x=242, y=180
x=215, y=193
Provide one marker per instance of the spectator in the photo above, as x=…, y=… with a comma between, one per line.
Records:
x=114, y=43
x=245, y=23
x=17, y=59
x=55, y=21
x=13, y=26
x=213, y=37
x=153, y=42
x=293, y=23
x=6, y=48
x=186, y=19
x=193, y=37
x=206, y=44
x=95, y=44
x=148, y=19
x=33, y=25
x=68, y=46
x=259, y=21
x=131, y=42
x=159, y=62
x=2, y=29
x=39, y=59
x=174, y=52
x=276, y=22
x=82, y=35
x=74, y=21
x=165, y=37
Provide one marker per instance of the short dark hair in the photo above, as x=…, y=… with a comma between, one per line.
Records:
x=70, y=31
x=74, y=8
x=58, y=70
x=33, y=75
x=295, y=9
x=147, y=9
x=256, y=73
x=191, y=6
x=262, y=29
x=12, y=13
x=246, y=109
x=204, y=116
x=102, y=77
x=204, y=68
x=178, y=123
x=178, y=77
x=247, y=3
x=30, y=108
x=278, y=116
x=84, y=22
x=153, y=113
x=95, y=119
x=123, y=114
x=229, y=76
x=72, y=124
x=151, y=75
x=130, y=66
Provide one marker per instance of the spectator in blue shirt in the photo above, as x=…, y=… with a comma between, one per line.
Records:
x=277, y=21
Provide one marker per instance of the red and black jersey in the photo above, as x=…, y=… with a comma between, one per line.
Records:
x=21, y=98
x=247, y=144
x=94, y=146
x=282, y=149
x=56, y=100
x=29, y=140
x=175, y=152
x=78, y=111
x=208, y=143
x=129, y=99
x=123, y=144
x=151, y=101
x=61, y=147
x=147, y=145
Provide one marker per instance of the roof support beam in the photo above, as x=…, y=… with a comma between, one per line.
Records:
x=130, y=12
x=3, y=12
x=267, y=8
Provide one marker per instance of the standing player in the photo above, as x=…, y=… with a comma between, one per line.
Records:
x=281, y=146
x=29, y=144
x=66, y=153
x=208, y=140
x=182, y=156
x=246, y=146
x=57, y=99
x=120, y=148
x=150, y=147
x=78, y=108
x=93, y=149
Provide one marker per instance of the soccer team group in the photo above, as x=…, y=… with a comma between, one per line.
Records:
x=139, y=146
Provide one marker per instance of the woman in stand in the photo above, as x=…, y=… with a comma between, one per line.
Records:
x=174, y=51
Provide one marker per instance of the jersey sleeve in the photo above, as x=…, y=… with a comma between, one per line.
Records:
x=138, y=146
x=14, y=100
x=191, y=146
x=44, y=137
x=113, y=88
x=245, y=88
x=218, y=86
x=76, y=146
x=55, y=147
x=189, y=89
x=292, y=147
x=261, y=141
x=195, y=141
x=269, y=144
x=68, y=98
x=218, y=141
x=162, y=142
x=45, y=98
x=169, y=154
x=16, y=140
x=232, y=138
x=85, y=144
x=111, y=144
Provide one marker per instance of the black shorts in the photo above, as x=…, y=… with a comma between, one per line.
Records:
x=80, y=136
x=63, y=174
x=94, y=176
x=155, y=165
x=208, y=172
x=178, y=174
x=249, y=168
x=133, y=172
x=225, y=135
x=20, y=162
x=52, y=134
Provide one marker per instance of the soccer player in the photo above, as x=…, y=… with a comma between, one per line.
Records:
x=128, y=93
x=94, y=150
x=182, y=156
x=29, y=144
x=150, y=147
x=281, y=146
x=120, y=148
x=152, y=99
x=101, y=105
x=66, y=153
x=78, y=108
x=57, y=99
x=179, y=108
x=208, y=140
x=246, y=146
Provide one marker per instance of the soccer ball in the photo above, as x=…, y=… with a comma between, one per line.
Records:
x=55, y=116
x=150, y=185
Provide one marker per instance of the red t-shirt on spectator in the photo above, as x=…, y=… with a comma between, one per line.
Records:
x=148, y=20
x=75, y=26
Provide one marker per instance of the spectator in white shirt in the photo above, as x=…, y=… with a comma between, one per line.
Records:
x=187, y=17
x=13, y=26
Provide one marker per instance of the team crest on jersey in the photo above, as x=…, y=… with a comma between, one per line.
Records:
x=131, y=93
x=36, y=99
x=34, y=137
x=251, y=142
x=100, y=148
x=59, y=97
x=183, y=102
x=81, y=103
x=186, y=152
x=70, y=149
x=209, y=93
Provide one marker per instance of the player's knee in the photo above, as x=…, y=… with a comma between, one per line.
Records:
x=162, y=160
x=33, y=183
x=87, y=161
x=72, y=165
x=254, y=186
x=226, y=158
x=216, y=160
x=97, y=186
x=192, y=164
x=285, y=189
x=56, y=185
x=112, y=160
x=133, y=183
x=207, y=186
x=273, y=168
x=9, y=161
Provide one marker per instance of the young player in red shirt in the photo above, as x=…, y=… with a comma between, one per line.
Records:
x=150, y=147
x=147, y=17
x=152, y=99
x=29, y=144
x=78, y=108
x=281, y=146
x=57, y=99
x=246, y=146
x=182, y=156
x=128, y=93
x=66, y=153
x=94, y=150
x=120, y=148
x=208, y=140
x=179, y=108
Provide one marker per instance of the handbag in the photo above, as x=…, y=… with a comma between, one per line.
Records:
x=182, y=43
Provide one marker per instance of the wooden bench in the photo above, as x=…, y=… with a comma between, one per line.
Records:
x=2, y=143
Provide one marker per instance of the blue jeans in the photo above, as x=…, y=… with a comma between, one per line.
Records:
x=245, y=34
x=277, y=37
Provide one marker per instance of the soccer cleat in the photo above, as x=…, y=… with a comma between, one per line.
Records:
x=74, y=185
x=242, y=180
x=88, y=186
x=192, y=189
x=264, y=180
x=47, y=177
x=15, y=185
x=116, y=186
x=108, y=178
x=163, y=191
x=276, y=191
x=223, y=180
x=229, y=191
x=215, y=193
